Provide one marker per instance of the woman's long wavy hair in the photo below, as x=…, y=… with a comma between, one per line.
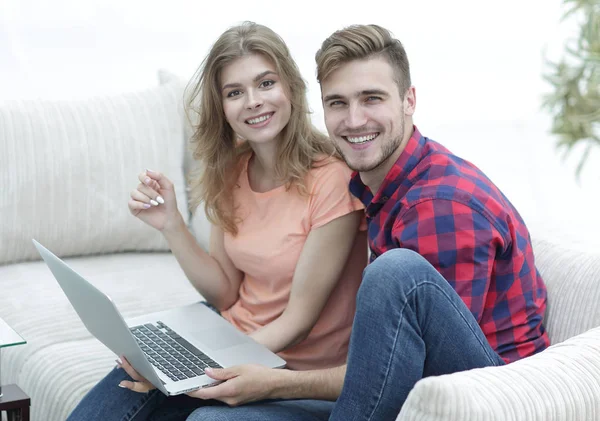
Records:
x=215, y=143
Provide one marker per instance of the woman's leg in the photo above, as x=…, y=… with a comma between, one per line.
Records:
x=107, y=401
x=289, y=410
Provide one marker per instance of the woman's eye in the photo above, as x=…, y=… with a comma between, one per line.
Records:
x=266, y=83
x=233, y=93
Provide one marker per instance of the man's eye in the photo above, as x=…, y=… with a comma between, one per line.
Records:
x=335, y=103
x=373, y=98
x=267, y=83
x=233, y=93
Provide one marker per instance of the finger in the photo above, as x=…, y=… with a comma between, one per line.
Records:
x=139, y=387
x=147, y=195
x=135, y=207
x=218, y=392
x=163, y=181
x=130, y=370
x=221, y=373
x=145, y=180
x=138, y=196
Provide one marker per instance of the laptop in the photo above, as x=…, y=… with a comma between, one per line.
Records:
x=170, y=348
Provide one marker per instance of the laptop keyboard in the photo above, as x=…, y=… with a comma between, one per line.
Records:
x=170, y=353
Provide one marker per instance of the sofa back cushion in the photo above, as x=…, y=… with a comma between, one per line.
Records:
x=67, y=168
x=573, y=282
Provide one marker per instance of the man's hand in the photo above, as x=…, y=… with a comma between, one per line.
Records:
x=241, y=384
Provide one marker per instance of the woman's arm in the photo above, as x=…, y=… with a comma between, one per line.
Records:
x=319, y=268
x=213, y=275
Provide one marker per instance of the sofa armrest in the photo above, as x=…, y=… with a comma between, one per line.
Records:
x=572, y=278
x=561, y=383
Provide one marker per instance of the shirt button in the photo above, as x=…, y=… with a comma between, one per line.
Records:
x=385, y=199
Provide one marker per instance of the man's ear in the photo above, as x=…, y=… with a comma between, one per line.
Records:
x=410, y=101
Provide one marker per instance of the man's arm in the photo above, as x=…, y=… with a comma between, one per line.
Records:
x=458, y=241
x=249, y=383
x=313, y=384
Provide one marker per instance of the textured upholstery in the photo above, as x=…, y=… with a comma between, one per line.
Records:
x=67, y=168
x=561, y=383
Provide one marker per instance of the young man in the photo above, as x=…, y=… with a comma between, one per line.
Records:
x=452, y=283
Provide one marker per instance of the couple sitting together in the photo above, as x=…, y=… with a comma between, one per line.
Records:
x=450, y=282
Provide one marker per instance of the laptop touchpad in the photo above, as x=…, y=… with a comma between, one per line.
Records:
x=217, y=339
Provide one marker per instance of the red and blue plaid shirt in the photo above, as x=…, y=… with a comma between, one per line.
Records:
x=448, y=211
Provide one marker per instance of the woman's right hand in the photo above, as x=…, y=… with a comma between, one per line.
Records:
x=154, y=202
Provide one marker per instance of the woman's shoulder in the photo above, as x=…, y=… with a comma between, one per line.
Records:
x=323, y=164
x=328, y=170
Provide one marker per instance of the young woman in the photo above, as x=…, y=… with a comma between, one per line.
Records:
x=286, y=250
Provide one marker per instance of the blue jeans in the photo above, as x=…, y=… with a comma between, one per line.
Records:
x=108, y=402
x=409, y=324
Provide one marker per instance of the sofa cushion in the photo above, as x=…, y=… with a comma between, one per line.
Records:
x=68, y=168
x=573, y=282
x=61, y=361
x=558, y=384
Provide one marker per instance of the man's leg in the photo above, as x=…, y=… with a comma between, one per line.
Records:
x=290, y=410
x=409, y=324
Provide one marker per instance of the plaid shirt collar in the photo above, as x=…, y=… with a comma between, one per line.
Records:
x=413, y=153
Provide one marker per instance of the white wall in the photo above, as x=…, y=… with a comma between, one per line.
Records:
x=476, y=65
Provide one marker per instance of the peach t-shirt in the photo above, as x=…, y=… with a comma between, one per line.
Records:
x=271, y=235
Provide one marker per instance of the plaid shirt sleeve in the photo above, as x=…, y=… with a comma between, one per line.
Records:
x=458, y=241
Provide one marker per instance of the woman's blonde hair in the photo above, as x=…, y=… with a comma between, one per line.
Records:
x=215, y=143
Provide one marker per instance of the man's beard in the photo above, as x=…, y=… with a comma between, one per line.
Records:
x=387, y=150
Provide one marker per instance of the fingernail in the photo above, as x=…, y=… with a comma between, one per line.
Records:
x=118, y=360
x=147, y=180
x=120, y=385
x=147, y=205
x=154, y=202
x=160, y=200
x=149, y=170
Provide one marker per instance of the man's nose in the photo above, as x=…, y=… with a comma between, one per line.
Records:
x=356, y=116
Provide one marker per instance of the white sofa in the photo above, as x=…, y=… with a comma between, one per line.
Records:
x=66, y=169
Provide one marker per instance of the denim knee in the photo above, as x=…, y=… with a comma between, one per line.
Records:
x=210, y=413
x=394, y=271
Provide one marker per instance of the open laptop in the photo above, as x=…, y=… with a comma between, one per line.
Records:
x=170, y=348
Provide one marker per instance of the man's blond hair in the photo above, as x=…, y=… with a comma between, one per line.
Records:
x=363, y=42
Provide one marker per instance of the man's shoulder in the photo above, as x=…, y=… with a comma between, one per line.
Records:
x=442, y=179
x=442, y=175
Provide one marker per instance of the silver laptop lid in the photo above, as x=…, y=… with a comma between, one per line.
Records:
x=99, y=315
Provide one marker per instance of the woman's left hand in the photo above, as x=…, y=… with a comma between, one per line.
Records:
x=140, y=384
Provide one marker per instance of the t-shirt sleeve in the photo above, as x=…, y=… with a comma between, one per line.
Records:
x=330, y=197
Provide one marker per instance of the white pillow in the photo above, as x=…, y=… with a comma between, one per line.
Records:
x=67, y=167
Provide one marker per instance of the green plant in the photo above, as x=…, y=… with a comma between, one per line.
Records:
x=575, y=102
